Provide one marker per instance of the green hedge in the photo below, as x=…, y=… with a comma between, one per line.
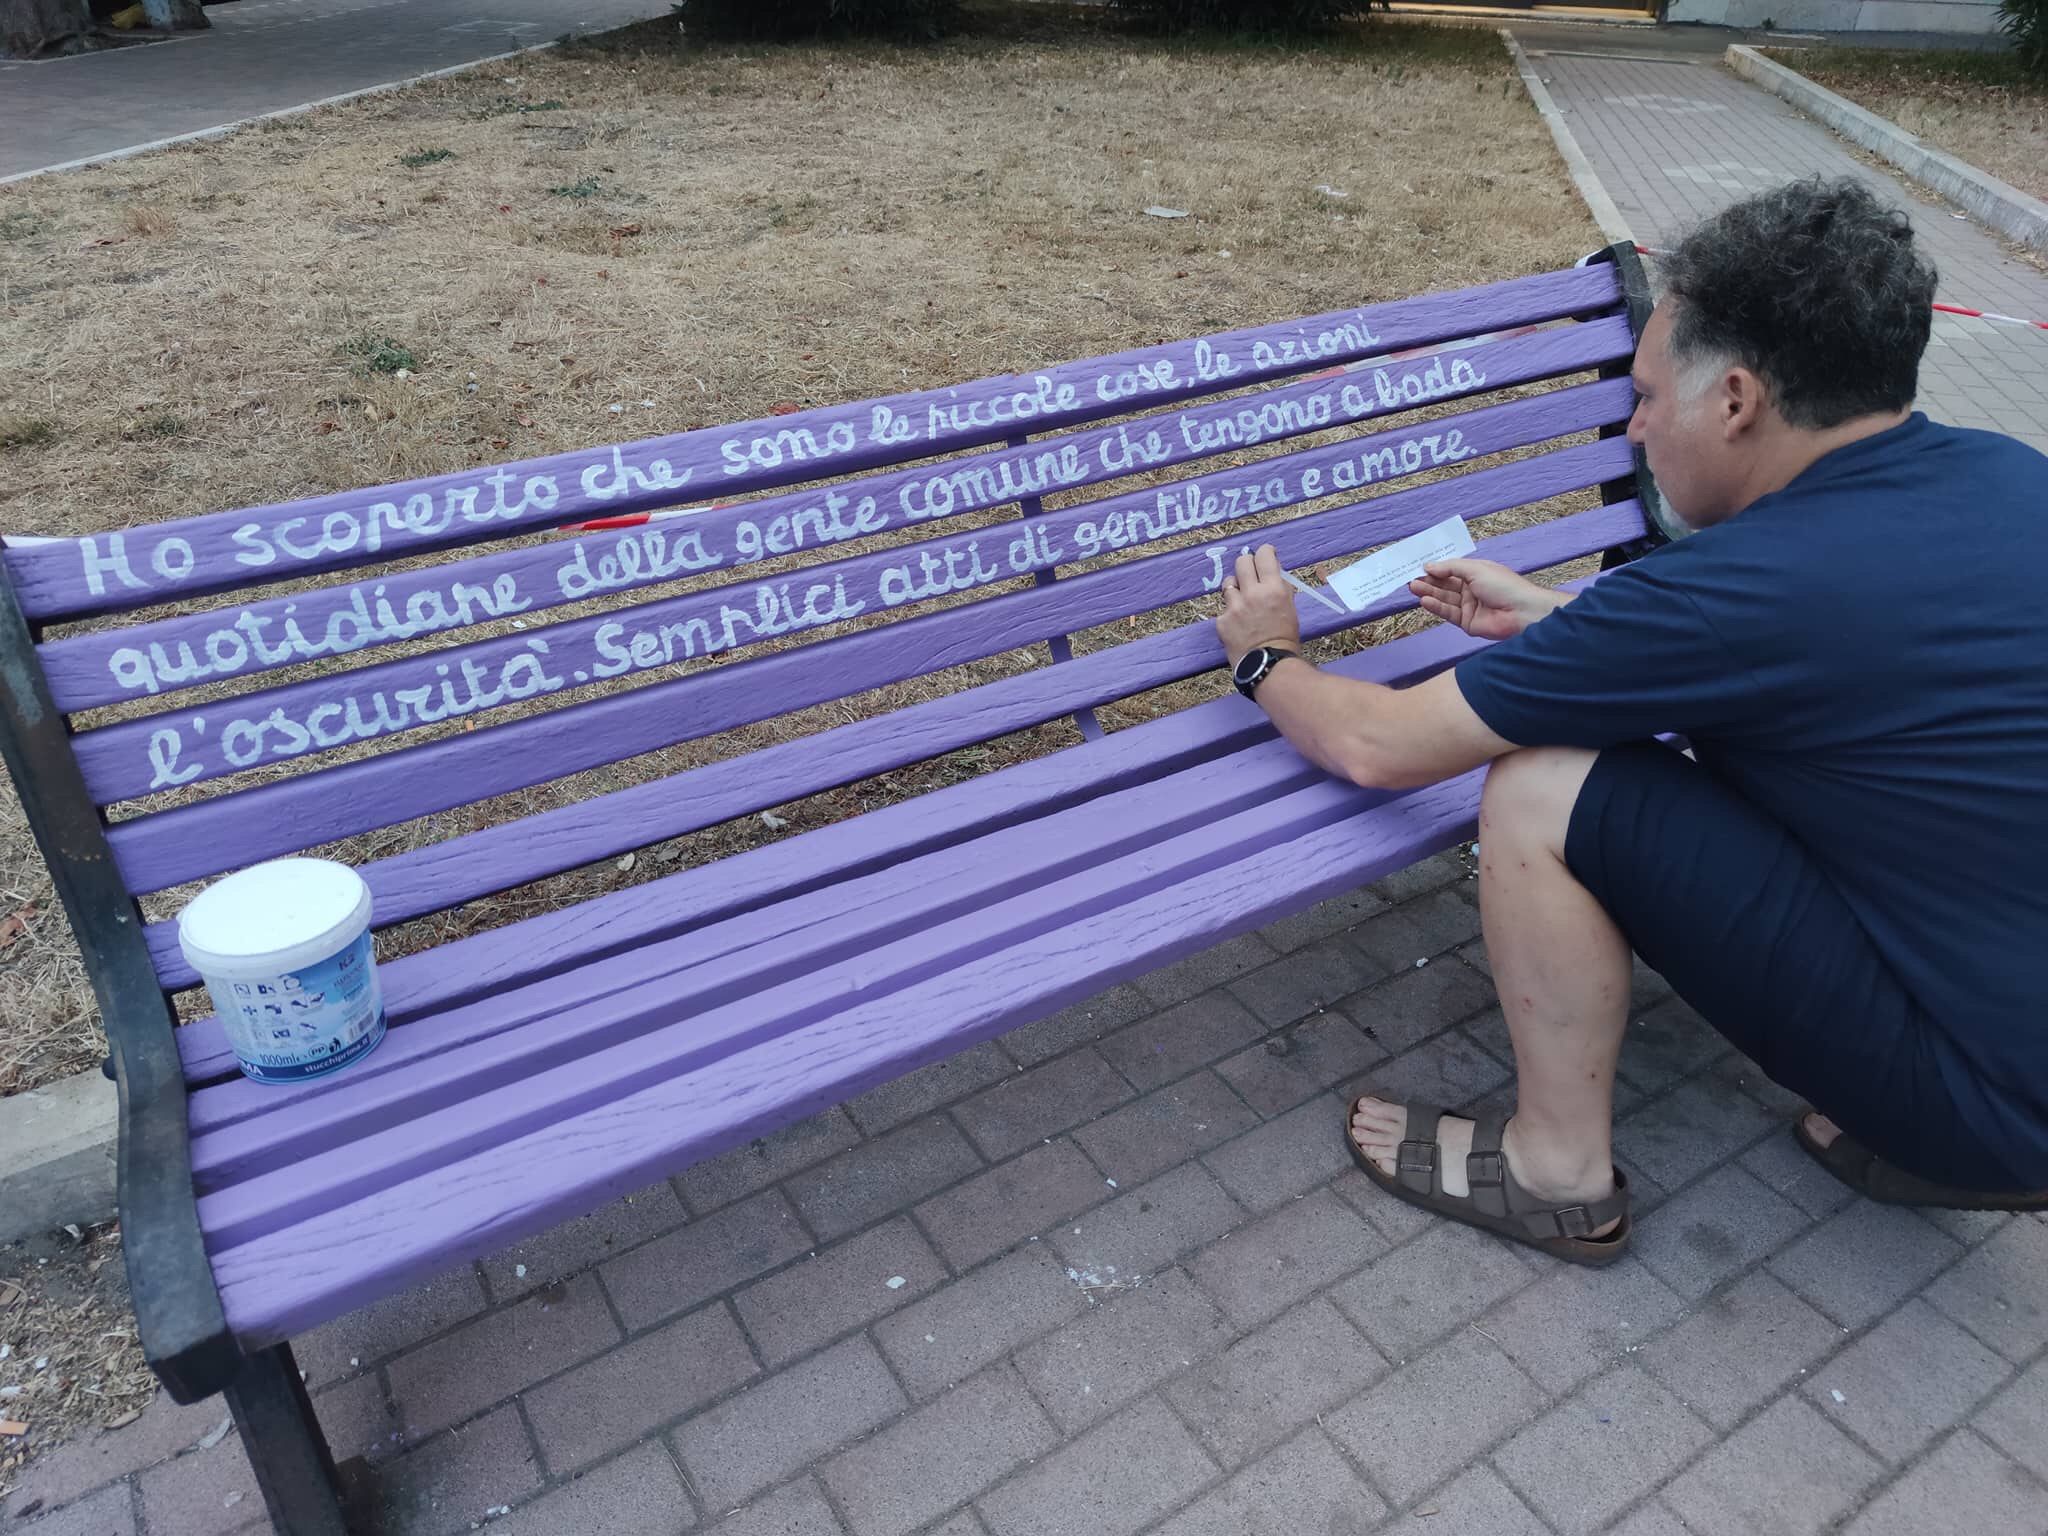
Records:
x=1241, y=15
x=2026, y=22
x=781, y=20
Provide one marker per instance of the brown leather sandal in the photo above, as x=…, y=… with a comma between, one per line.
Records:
x=1875, y=1179
x=1497, y=1203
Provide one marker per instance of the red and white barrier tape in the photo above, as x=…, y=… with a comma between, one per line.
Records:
x=1946, y=309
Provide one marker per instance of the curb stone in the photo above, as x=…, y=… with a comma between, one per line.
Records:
x=57, y=1147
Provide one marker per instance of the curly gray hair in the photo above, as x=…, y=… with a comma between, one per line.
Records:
x=1816, y=288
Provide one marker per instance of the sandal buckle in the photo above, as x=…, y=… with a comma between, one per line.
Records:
x=1573, y=1221
x=1415, y=1157
x=1485, y=1170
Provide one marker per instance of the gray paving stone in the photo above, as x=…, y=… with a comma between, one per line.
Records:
x=1589, y=1458
x=1476, y=1501
x=1720, y=1226
x=1424, y=928
x=1029, y=1107
x=1739, y=1348
x=1651, y=1519
x=1863, y=1261
x=440, y=1489
x=1432, y=1416
x=1914, y=1376
x=1270, y=1383
x=1259, y=1271
x=365, y=1338
x=1323, y=919
x=1299, y=1063
x=782, y=1424
x=1421, y=877
x=1122, y=1348
x=1147, y=1228
x=692, y=1264
x=1965, y=1485
x=839, y=1289
x=928, y=1088
x=577, y=1245
x=1665, y=1044
x=1787, y=1472
x=937, y=1458
x=795, y=1509
x=1305, y=1488
x=1997, y=1292
x=1395, y=1220
x=947, y=1337
x=1676, y=1138
x=1303, y=983
x=2016, y=1421
x=1575, y=1322
x=1968, y=1227
x=1174, y=1043
x=1284, y=1157
x=1115, y=1479
x=880, y=1177
x=1421, y=1291
x=1165, y=1127
x=1413, y=1005
x=733, y=1175
x=637, y=1494
x=1199, y=972
x=1777, y=1163
x=110, y=1512
x=1083, y=1024
x=994, y=1211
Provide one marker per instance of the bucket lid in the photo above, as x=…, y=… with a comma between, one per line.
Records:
x=283, y=914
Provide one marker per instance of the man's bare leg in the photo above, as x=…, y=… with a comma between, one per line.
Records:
x=1561, y=967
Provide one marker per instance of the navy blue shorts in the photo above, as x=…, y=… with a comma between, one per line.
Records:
x=1730, y=909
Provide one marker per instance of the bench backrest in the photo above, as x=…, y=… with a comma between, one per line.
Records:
x=238, y=709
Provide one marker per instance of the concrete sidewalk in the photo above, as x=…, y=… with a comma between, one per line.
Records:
x=264, y=56
x=1673, y=136
x=1115, y=1274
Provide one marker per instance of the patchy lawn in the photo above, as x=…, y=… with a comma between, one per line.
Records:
x=1975, y=104
x=626, y=239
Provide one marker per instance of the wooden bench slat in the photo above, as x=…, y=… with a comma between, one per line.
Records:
x=846, y=927
x=220, y=551
x=172, y=654
x=165, y=849
x=283, y=1282
x=128, y=760
x=493, y=962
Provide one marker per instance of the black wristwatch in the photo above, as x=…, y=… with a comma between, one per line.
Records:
x=1255, y=665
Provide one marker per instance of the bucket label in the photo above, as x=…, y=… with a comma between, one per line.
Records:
x=299, y=1024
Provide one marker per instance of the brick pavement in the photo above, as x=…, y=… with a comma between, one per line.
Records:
x=1113, y=1274
x=1674, y=136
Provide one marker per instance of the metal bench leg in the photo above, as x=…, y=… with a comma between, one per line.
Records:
x=293, y=1466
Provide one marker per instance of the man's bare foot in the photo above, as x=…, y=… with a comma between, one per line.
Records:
x=1821, y=1129
x=1379, y=1127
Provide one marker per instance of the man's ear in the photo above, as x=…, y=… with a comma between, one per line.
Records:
x=1742, y=404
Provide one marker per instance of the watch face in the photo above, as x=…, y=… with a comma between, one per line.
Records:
x=1248, y=665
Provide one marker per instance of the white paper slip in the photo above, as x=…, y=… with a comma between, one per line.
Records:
x=1364, y=582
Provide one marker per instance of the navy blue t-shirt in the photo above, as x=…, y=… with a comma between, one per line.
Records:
x=1864, y=656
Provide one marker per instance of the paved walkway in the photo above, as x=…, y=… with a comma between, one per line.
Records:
x=264, y=56
x=1674, y=136
x=1114, y=1273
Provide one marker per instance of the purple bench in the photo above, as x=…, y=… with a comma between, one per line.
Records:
x=537, y=1070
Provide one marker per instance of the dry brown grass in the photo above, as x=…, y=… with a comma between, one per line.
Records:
x=1978, y=106
x=721, y=233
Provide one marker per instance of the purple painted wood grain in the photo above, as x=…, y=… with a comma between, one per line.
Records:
x=520, y=1035
x=83, y=669
x=129, y=759
x=193, y=556
x=293, y=1279
x=491, y=963
x=166, y=849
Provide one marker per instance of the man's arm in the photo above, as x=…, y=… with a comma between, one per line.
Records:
x=1383, y=738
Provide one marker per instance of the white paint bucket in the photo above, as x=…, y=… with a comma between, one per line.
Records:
x=284, y=948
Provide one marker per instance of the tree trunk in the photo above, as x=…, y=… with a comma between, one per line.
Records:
x=32, y=28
